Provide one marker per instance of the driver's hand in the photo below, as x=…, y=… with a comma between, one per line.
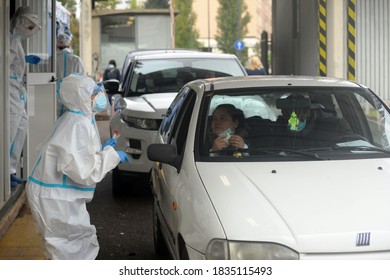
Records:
x=220, y=143
x=236, y=141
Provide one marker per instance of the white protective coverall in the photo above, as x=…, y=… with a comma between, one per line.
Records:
x=18, y=93
x=64, y=177
x=67, y=63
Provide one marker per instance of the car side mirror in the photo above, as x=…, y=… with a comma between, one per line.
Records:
x=118, y=102
x=165, y=153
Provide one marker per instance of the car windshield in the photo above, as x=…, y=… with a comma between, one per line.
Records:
x=169, y=75
x=284, y=124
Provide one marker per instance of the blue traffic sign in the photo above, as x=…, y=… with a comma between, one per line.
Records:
x=239, y=45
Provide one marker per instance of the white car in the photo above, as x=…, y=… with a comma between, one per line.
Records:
x=150, y=83
x=312, y=183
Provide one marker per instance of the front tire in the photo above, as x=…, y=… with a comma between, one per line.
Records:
x=158, y=239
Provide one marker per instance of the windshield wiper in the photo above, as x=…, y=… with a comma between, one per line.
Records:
x=361, y=148
x=285, y=152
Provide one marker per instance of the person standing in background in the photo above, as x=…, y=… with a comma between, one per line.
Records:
x=111, y=72
x=67, y=63
x=255, y=67
x=23, y=25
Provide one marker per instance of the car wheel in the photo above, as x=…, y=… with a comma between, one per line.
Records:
x=117, y=189
x=159, y=243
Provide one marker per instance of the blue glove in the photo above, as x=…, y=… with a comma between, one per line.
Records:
x=123, y=156
x=110, y=142
x=32, y=59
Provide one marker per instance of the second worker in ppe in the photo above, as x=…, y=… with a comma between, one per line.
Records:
x=23, y=25
x=67, y=63
x=68, y=167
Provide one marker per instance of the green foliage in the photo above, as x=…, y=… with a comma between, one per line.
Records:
x=228, y=28
x=70, y=5
x=106, y=4
x=133, y=4
x=74, y=28
x=185, y=33
x=156, y=4
x=257, y=50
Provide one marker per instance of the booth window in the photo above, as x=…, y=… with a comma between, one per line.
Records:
x=41, y=43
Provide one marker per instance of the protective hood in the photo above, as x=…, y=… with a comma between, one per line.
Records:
x=308, y=206
x=75, y=93
x=25, y=23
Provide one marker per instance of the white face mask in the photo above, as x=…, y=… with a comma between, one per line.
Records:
x=227, y=133
x=100, y=101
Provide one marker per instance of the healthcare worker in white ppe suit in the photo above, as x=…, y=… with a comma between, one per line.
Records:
x=71, y=162
x=67, y=63
x=23, y=25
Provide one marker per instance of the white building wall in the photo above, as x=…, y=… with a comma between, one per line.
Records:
x=336, y=39
x=4, y=103
x=373, y=45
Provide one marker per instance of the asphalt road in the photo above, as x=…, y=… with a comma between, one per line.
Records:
x=124, y=224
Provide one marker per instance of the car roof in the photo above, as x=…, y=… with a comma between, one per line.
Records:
x=155, y=51
x=168, y=53
x=274, y=81
x=187, y=54
x=132, y=54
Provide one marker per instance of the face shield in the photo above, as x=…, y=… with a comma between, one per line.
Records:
x=27, y=25
x=99, y=99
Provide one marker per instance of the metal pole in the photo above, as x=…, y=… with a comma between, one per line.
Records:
x=172, y=15
x=239, y=20
x=190, y=28
x=208, y=23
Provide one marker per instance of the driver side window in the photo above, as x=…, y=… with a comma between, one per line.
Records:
x=181, y=125
x=171, y=115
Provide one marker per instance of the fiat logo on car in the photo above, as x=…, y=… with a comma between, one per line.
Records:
x=363, y=239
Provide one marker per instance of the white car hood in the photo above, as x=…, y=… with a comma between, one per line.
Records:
x=311, y=206
x=148, y=105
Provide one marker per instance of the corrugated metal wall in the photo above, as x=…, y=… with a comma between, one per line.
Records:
x=373, y=45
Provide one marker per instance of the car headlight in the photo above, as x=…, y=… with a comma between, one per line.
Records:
x=148, y=124
x=219, y=249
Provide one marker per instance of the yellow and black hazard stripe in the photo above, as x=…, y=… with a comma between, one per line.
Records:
x=351, y=39
x=322, y=36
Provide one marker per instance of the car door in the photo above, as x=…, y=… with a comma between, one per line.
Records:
x=174, y=130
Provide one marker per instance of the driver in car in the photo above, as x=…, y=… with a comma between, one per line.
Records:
x=228, y=128
x=304, y=124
